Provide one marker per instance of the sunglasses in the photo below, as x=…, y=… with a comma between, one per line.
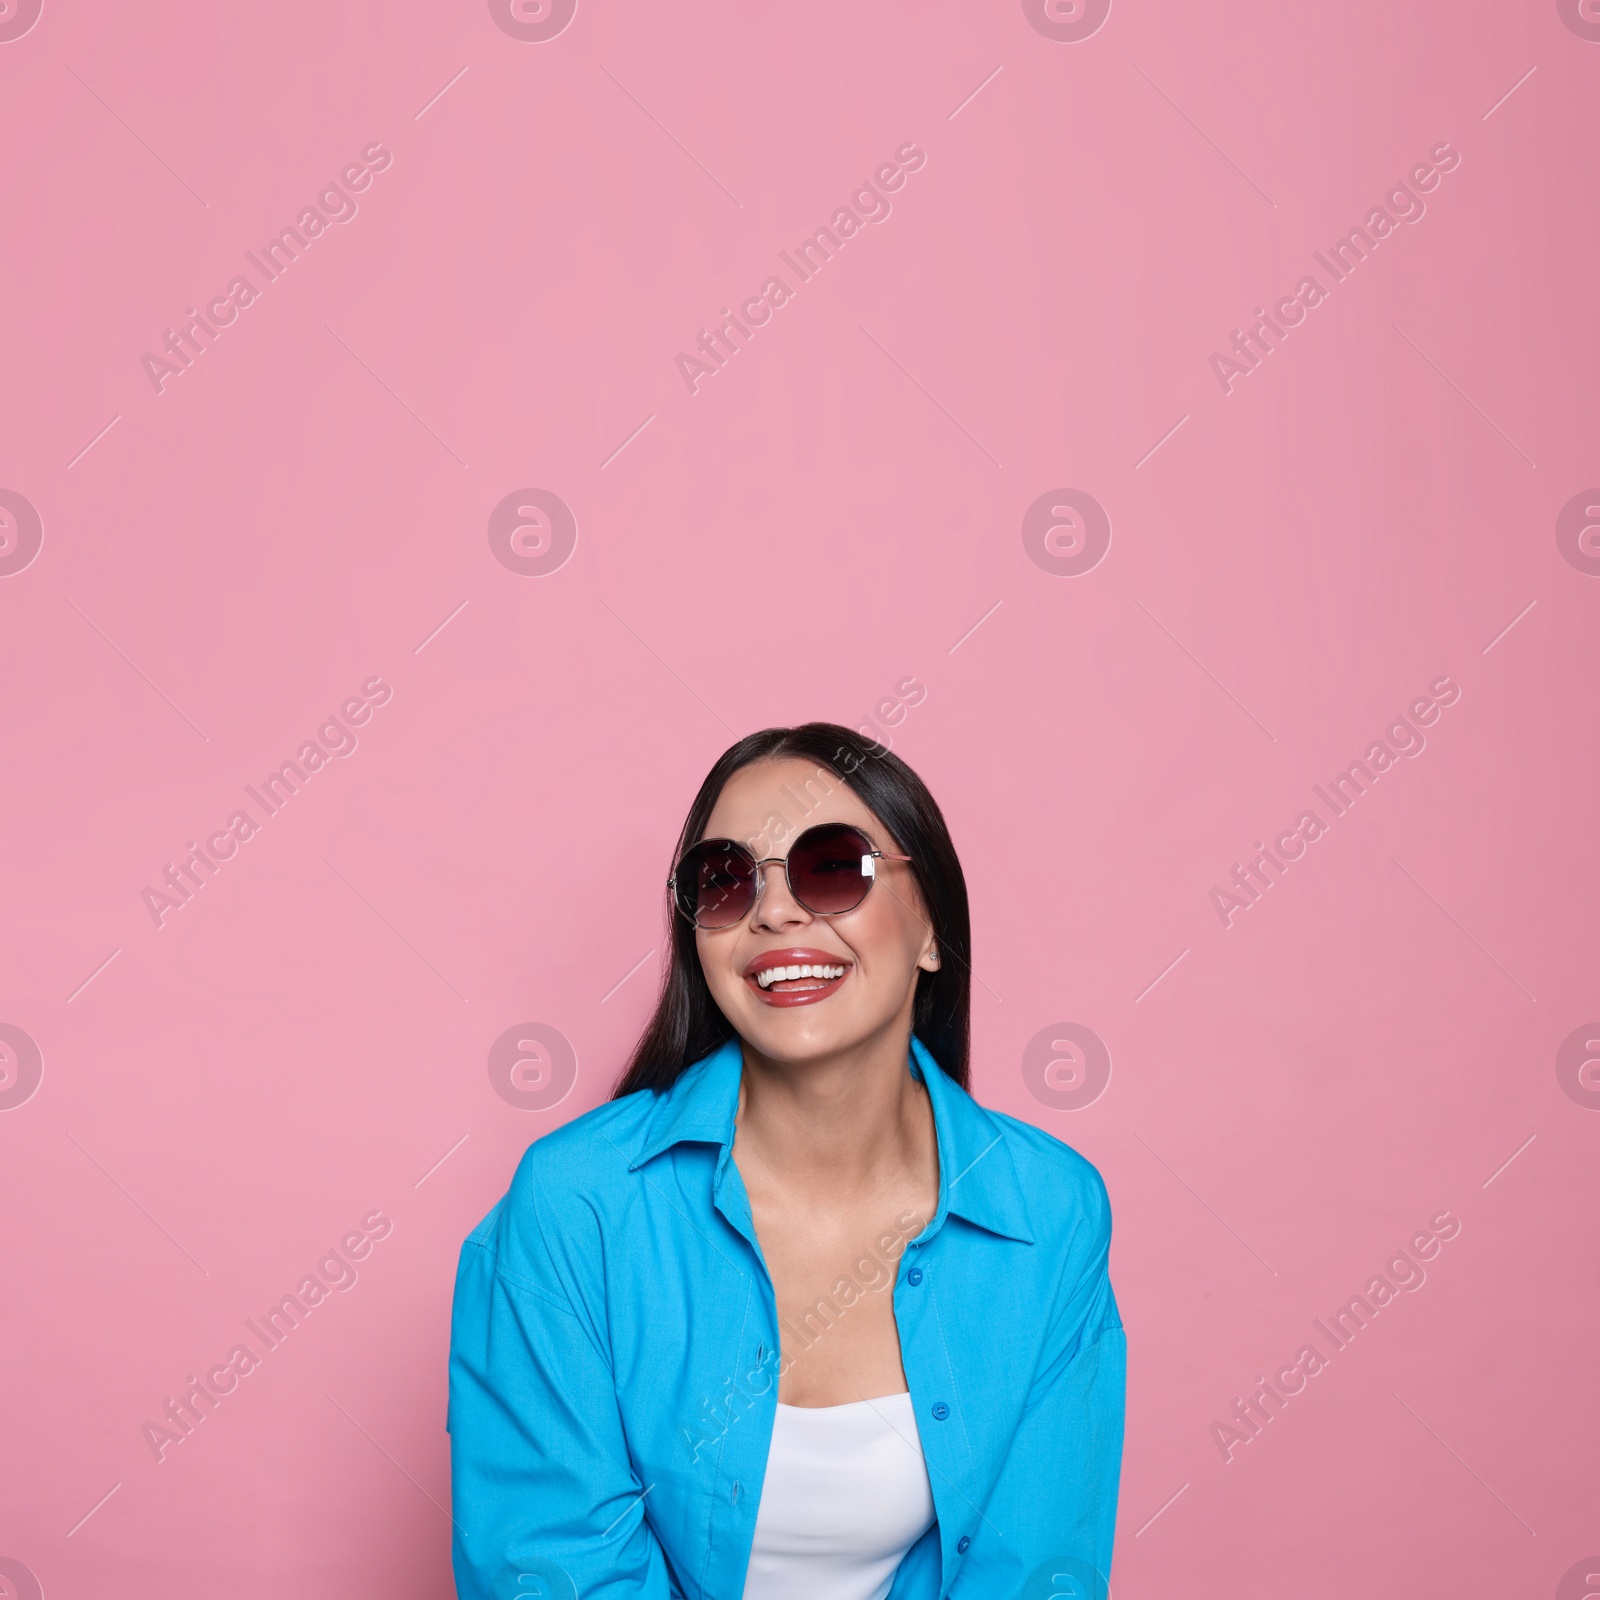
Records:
x=829, y=870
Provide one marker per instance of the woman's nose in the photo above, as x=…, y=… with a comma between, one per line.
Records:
x=776, y=908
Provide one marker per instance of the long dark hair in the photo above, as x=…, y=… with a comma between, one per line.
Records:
x=688, y=1023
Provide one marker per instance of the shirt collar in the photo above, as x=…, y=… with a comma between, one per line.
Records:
x=977, y=1177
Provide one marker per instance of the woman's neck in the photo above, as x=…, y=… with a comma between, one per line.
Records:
x=835, y=1126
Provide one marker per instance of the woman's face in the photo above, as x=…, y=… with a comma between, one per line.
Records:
x=881, y=945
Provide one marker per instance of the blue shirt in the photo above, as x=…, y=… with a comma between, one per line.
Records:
x=614, y=1356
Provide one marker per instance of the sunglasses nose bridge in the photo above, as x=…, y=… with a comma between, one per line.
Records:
x=781, y=865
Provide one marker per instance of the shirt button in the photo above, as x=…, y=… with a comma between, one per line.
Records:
x=963, y=1544
x=914, y=1276
x=940, y=1411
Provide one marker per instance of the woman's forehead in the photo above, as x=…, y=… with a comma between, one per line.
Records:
x=774, y=800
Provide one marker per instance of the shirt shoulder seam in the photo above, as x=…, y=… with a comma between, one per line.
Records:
x=515, y=1280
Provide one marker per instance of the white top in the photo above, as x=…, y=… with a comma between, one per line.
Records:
x=846, y=1495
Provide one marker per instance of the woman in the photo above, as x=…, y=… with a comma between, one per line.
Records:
x=792, y=1315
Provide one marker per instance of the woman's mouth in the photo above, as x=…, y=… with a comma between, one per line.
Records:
x=796, y=977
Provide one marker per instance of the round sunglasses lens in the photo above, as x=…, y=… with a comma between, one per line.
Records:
x=827, y=873
x=716, y=885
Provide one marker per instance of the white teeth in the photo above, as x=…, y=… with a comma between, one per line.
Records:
x=774, y=975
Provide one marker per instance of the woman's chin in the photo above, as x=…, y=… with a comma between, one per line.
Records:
x=804, y=1033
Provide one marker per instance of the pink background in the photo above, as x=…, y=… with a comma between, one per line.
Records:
x=307, y=1040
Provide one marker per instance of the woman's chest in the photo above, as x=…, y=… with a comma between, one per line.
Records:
x=833, y=1277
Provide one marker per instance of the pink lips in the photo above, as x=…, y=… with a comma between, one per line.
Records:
x=804, y=991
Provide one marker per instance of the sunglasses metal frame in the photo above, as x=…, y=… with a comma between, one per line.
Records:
x=759, y=866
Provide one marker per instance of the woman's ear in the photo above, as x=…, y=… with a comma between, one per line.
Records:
x=929, y=961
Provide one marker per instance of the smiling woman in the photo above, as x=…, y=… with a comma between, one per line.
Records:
x=850, y=783
x=679, y=1259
